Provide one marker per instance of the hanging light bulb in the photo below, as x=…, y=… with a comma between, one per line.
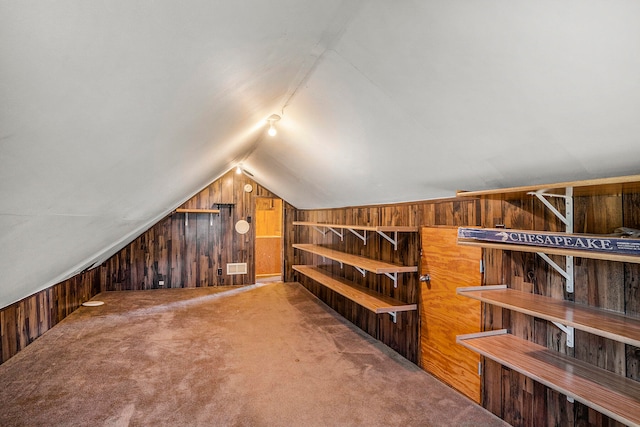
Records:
x=272, y=129
x=239, y=169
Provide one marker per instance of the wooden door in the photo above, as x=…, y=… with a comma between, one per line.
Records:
x=268, y=238
x=443, y=314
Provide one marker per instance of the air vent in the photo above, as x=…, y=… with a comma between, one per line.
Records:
x=237, y=268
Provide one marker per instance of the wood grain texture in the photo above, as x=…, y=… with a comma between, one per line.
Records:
x=268, y=256
x=361, y=295
x=188, y=254
x=604, y=323
x=401, y=336
x=368, y=264
x=24, y=321
x=590, y=187
x=613, y=395
x=449, y=266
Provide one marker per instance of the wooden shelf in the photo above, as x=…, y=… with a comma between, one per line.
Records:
x=589, y=187
x=373, y=266
x=607, y=324
x=613, y=395
x=210, y=211
x=552, y=251
x=376, y=228
x=363, y=296
x=361, y=230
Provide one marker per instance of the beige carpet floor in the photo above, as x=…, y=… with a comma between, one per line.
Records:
x=264, y=355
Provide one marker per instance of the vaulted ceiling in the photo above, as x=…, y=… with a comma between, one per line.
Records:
x=114, y=112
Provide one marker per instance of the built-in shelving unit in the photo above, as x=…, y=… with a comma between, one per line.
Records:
x=371, y=300
x=360, y=230
x=607, y=392
x=186, y=213
x=210, y=211
x=365, y=297
x=588, y=187
x=613, y=395
x=608, y=324
x=609, y=256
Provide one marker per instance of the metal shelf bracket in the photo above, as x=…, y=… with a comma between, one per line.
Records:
x=323, y=232
x=394, y=240
x=567, y=272
x=337, y=233
x=394, y=277
x=394, y=316
x=361, y=270
x=362, y=236
x=567, y=219
x=569, y=330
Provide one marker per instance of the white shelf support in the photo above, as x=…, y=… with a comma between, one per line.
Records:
x=394, y=277
x=567, y=272
x=567, y=219
x=567, y=330
x=323, y=232
x=362, y=236
x=324, y=259
x=337, y=233
x=394, y=316
x=361, y=270
x=394, y=240
x=186, y=219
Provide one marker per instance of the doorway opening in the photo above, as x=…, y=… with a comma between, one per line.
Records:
x=269, y=221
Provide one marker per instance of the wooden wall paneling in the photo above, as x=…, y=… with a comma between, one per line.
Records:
x=9, y=332
x=401, y=336
x=631, y=219
x=203, y=226
x=190, y=256
x=289, y=215
x=177, y=249
x=24, y=321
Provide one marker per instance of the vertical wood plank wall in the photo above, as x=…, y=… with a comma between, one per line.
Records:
x=402, y=336
x=24, y=321
x=189, y=255
x=611, y=285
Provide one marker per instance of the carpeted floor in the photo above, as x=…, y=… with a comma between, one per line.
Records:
x=263, y=355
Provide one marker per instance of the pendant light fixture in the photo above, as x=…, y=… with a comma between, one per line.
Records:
x=272, y=119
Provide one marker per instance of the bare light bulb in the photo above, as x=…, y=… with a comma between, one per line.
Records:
x=238, y=170
x=272, y=130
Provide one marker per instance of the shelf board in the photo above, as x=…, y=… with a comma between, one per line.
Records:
x=211, y=211
x=590, y=187
x=606, y=392
x=551, y=251
x=373, y=266
x=596, y=321
x=376, y=228
x=363, y=296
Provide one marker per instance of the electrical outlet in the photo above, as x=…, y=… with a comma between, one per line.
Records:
x=161, y=283
x=219, y=272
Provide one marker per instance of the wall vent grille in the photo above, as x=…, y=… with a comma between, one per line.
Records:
x=236, y=268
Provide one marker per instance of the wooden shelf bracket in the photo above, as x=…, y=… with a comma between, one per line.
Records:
x=567, y=219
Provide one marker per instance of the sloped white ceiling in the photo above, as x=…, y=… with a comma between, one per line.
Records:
x=113, y=112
